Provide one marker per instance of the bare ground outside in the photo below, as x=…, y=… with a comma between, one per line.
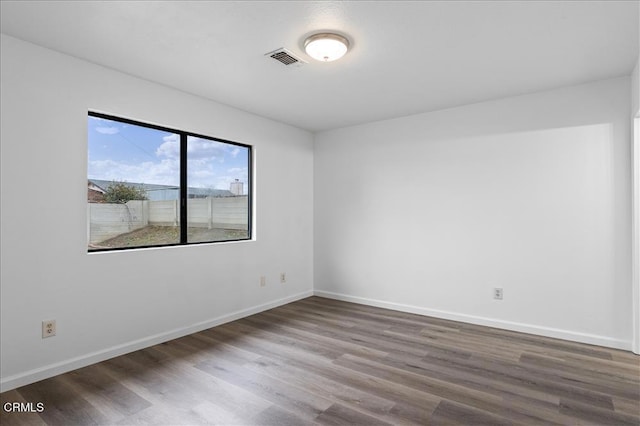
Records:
x=161, y=235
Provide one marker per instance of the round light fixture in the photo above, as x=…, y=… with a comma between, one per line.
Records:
x=326, y=47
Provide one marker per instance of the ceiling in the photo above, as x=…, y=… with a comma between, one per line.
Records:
x=406, y=57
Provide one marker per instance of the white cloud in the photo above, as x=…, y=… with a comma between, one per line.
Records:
x=198, y=148
x=170, y=148
x=165, y=172
x=107, y=130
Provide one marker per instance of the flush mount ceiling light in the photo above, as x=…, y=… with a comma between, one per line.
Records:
x=326, y=47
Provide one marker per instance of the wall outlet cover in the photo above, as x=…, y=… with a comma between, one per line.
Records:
x=48, y=328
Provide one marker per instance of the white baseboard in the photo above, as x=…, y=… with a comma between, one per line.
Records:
x=51, y=370
x=489, y=322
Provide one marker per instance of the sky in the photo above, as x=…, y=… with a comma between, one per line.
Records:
x=126, y=152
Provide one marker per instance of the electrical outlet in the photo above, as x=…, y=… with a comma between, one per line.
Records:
x=497, y=293
x=263, y=281
x=48, y=328
x=283, y=277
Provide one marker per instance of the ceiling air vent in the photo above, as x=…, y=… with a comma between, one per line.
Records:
x=285, y=57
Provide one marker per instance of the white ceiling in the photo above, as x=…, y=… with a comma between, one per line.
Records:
x=406, y=57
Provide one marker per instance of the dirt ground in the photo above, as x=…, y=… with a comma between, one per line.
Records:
x=159, y=235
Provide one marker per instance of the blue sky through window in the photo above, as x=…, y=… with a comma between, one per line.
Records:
x=127, y=152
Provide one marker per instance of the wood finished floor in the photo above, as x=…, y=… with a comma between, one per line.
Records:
x=321, y=361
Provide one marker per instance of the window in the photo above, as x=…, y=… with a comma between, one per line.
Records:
x=151, y=186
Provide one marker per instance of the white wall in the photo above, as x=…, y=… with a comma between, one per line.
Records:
x=635, y=90
x=110, y=303
x=429, y=213
x=635, y=155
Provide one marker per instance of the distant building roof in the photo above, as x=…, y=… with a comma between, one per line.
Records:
x=105, y=184
x=150, y=187
x=210, y=192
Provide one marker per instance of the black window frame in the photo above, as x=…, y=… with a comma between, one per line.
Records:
x=184, y=135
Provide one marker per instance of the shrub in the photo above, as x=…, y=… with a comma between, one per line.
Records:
x=120, y=192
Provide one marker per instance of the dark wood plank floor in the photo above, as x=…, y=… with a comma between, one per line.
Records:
x=321, y=361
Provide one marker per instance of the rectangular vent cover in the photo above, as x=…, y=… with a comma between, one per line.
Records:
x=285, y=57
